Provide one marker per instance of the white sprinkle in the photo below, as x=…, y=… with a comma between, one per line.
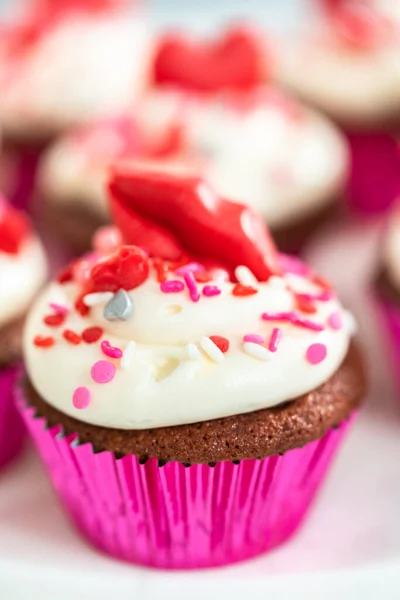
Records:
x=277, y=282
x=245, y=276
x=257, y=351
x=350, y=322
x=97, y=298
x=212, y=350
x=128, y=355
x=193, y=351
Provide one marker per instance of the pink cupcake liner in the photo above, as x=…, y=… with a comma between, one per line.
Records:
x=178, y=517
x=375, y=171
x=12, y=430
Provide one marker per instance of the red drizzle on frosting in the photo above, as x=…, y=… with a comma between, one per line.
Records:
x=172, y=215
x=14, y=228
x=234, y=61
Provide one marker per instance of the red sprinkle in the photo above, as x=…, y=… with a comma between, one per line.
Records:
x=325, y=285
x=80, y=306
x=161, y=269
x=65, y=275
x=243, y=290
x=72, y=337
x=92, y=334
x=221, y=342
x=203, y=276
x=305, y=305
x=43, y=342
x=55, y=320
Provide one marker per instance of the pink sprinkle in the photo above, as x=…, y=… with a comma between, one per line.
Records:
x=316, y=353
x=110, y=351
x=335, y=321
x=190, y=268
x=81, y=398
x=275, y=339
x=172, y=287
x=107, y=239
x=255, y=338
x=103, y=371
x=292, y=318
x=60, y=310
x=211, y=290
x=192, y=287
x=324, y=296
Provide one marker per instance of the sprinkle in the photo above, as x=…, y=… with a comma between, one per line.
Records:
x=81, y=398
x=324, y=296
x=211, y=290
x=193, y=351
x=203, y=276
x=119, y=308
x=80, y=307
x=304, y=304
x=103, y=371
x=294, y=319
x=107, y=239
x=245, y=276
x=243, y=290
x=221, y=342
x=257, y=351
x=92, y=334
x=97, y=298
x=321, y=282
x=65, y=275
x=212, y=350
x=54, y=320
x=275, y=339
x=110, y=351
x=172, y=287
x=128, y=355
x=161, y=269
x=43, y=342
x=72, y=337
x=316, y=353
x=192, y=287
x=61, y=310
x=189, y=268
x=277, y=282
x=255, y=338
x=335, y=321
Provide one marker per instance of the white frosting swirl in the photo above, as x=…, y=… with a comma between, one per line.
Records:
x=261, y=155
x=83, y=67
x=170, y=379
x=21, y=277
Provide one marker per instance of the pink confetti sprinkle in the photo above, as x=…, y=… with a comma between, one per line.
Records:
x=190, y=268
x=192, y=287
x=275, y=339
x=81, y=398
x=60, y=310
x=111, y=351
x=255, y=338
x=316, y=353
x=107, y=239
x=335, y=321
x=103, y=371
x=172, y=287
x=211, y=290
x=294, y=319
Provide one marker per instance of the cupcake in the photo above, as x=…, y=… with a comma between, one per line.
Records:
x=66, y=62
x=22, y=272
x=348, y=67
x=254, y=143
x=190, y=401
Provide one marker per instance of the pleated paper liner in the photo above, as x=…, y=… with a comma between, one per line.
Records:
x=179, y=517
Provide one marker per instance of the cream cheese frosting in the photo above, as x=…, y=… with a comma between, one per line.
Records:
x=83, y=67
x=166, y=366
x=277, y=156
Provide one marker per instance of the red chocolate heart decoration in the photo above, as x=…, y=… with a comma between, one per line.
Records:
x=235, y=61
x=14, y=228
x=125, y=269
x=171, y=215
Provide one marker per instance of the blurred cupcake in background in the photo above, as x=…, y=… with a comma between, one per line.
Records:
x=64, y=62
x=349, y=67
x=209, y=111
x=22, y=273
x=161, y=403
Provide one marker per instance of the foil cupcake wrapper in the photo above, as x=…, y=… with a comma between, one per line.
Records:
x=175, y=516
x=375, y=171
x=12, y=429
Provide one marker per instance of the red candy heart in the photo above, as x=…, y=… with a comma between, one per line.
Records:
x=126, y=269
x=171, y=215
x=236, y=61
x=14, y=229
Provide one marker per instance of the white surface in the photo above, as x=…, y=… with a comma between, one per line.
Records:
x=349, y=548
